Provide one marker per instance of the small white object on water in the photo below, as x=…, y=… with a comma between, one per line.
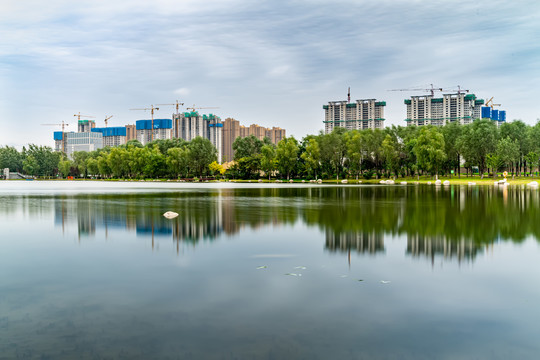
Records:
x=496, y=183
x=170, y=214
x=303, y=181
x=429, y=182
x=446, y=182
x=301, y=267
x=319, y=181
x=385, y=282
x=382, y=182
x=344, y=181
x=503, y=181
x=533, y=184
x=403, y=183
x=438, y=182
x=470, y=183
x=390, y=182
x=293, y=274
x=262, y=267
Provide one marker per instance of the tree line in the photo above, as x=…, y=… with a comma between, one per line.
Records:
x=391, y=152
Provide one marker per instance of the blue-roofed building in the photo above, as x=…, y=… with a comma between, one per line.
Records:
x=112, y=136
x=162, y=130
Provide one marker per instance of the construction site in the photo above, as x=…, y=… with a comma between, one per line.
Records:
x=186, y=125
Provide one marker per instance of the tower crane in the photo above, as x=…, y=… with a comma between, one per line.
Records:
x=491, y=104
x=178, y=104
x=107, y=119
x=431, y=90
x=193, y=108
x=79, y=116
x=152, y=108
x=63, y=125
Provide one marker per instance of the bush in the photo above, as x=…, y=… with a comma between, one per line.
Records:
x=368, y=174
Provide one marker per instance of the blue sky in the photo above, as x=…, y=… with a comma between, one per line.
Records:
x=273, y=63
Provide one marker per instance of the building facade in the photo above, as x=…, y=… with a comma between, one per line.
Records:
x=362, y=114
x=162, y=130
x=189, y=125
x=83, y=141
x=459, y=107
x=112, y=136
x=86, y=125
x=131, y=132
x=233, y=130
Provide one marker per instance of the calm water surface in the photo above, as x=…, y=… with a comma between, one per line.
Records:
x=93, y=270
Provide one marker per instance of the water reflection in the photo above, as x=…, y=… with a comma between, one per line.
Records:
x=447, y=222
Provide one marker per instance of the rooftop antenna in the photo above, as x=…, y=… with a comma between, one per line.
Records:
x=349, y=95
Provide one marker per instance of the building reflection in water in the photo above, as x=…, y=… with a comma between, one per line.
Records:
x=360, y=242
x=443, y=247
x=454, y=223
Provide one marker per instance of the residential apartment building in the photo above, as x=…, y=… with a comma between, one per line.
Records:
x=131, y=132
x=458, y=107
x=112, y=136
x=362, y=114
x=86, y=125
x=162, y=130
x=233, y=130
x=189, y=125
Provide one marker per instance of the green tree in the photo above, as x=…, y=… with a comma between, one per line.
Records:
x=390, y=154
x=429, y=149
x=312, y=157
x=476, y=141
x=246, y=147
x=287, y=155
x=268, y=159
x=507, y=151
x=40, y=160
x=202, y=153
x=178, y=161
x=64, y=166
x=10, y=158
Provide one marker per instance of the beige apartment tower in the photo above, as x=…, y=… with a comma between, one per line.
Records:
x=232, y=130
x=362, y=114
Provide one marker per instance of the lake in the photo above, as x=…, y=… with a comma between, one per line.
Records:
x=92, y=270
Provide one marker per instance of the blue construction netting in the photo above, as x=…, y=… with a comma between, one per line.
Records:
x=158, y=124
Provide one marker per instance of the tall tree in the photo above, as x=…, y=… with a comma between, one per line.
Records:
x=429, y=149
x=202, y=153
x=312, y=156
x=476, y=141
x=287, y=155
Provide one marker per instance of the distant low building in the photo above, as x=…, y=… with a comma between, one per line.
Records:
x=362, y=114
x=83, y=141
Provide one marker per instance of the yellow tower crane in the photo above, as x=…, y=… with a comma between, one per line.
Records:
x=63, y=125
x=152, y=108
x=177, y=105
x=491, y=104
x=107, y=119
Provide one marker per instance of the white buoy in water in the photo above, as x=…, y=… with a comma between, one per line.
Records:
x=170, y=214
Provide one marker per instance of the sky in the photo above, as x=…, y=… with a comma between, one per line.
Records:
x=272, y=63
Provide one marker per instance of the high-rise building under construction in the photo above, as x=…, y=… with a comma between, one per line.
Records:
x=458, y=107
x=362, y=114
x=189, y=125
